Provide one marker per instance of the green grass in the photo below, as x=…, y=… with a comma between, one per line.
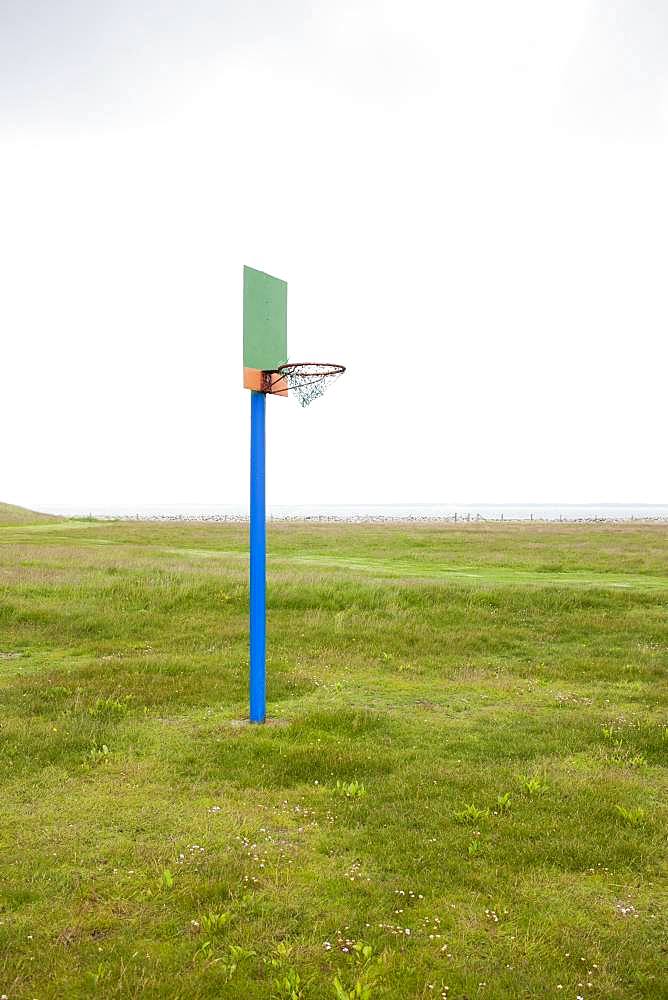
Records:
x=10, y=515
x=463, y=782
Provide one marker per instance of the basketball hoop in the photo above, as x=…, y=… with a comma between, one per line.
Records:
x=308, y=380
x=267, y=372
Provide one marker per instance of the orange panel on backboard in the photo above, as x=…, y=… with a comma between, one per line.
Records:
x=256, y=380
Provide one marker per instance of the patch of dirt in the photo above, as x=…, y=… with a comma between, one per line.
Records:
x=69, y=935
x=247, y=724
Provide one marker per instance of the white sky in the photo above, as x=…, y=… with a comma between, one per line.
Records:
x=467, y=199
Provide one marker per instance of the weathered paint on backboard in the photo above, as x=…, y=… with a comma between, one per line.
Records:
x=265, y=321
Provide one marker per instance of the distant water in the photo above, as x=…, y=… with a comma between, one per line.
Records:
x=383, y=512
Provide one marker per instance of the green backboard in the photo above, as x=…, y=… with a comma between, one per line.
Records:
x=265, y=320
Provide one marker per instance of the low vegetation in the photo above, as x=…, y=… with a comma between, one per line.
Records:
x=460, y=792
x=10, y=515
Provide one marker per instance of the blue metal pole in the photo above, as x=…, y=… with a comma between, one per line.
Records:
x=258, y=547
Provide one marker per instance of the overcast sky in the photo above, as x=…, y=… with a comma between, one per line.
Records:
x=467, y=199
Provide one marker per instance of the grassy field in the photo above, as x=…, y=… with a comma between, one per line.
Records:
x=461, y=793
x=12, y=516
